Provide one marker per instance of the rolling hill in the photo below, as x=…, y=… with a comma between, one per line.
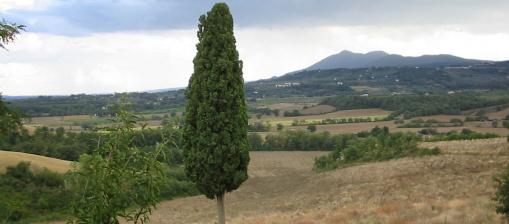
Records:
x=384, y=80
x=8, y=158
x=348, y=59
x=455, y=187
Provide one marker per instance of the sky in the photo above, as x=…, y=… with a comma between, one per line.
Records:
x=105, y=46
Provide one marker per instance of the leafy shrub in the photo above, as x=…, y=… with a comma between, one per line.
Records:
x=118, y=180
x=259, y=127
x=293, y=113
x=502, y=192
x=428, y=131
x=299, y=140
x=26, y=195
x=280, y=126
x=380, y=145
x=465, y=134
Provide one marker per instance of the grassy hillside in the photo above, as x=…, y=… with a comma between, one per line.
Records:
x=37, y=163
x=455, y=187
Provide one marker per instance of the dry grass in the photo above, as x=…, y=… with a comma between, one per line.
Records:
x=37, y=163
x=498, y=114
x=59, y=120
x=455, y=187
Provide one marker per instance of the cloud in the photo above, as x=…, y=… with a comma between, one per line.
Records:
x=41, y=63
x=49, y=64
x=76, y=17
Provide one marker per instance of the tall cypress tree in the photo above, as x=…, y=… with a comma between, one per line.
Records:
x=215, y=140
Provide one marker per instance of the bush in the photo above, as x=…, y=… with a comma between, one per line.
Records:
x=293, y=113
x=428, y=131
x=26, y=195
x=465, y=134
x=259, y=127
x=311, y=128
x=280, y=126
x=502, y=192
x=378, y=146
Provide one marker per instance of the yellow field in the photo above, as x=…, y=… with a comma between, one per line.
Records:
x=36, y=162
x=455, y=187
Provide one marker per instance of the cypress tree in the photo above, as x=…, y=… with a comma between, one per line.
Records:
x=216, y=148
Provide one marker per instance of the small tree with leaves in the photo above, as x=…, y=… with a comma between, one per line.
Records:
x=502, y=193
x=118, y=180
x=216, y=148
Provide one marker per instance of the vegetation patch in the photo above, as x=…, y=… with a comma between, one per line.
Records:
x=420, y=123
x=410, y=106
x=378, y=146
x=431, y=135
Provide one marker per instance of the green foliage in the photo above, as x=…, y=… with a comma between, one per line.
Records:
x=259, y=127
x=216, y=148
x=26, y=195
x=100, y=105
x=118, y=180
x=378, y=146
x=311, y=128
x=339, y=121
x=10, y=124
x=384, y=81
x=8, y=32
x=279, y=127
x=176, y=184
x=410, y=106
x=502, y=192
x=419, y=123
x=292, y=113
x=299, y=140
x=465, y=134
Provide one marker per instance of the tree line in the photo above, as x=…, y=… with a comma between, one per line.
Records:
x=408, y=106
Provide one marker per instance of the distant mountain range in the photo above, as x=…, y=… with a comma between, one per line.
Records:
x=348, y=59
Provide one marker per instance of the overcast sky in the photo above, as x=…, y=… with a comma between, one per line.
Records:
x=102, y=46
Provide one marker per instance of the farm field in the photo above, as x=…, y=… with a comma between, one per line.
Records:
x=8, y=158
x=375, y=112
x=455, y=187
x=482, y=127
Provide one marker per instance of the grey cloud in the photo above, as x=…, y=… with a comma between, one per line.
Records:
x=77, y=17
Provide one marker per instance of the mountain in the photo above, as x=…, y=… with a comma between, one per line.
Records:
x=348, y=59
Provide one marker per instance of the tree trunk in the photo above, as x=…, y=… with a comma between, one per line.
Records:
x=220, y=208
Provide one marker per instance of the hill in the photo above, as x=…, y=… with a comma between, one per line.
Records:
x=383, y=81
x=8, y=158
x=455, y=187
x=348, y=59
